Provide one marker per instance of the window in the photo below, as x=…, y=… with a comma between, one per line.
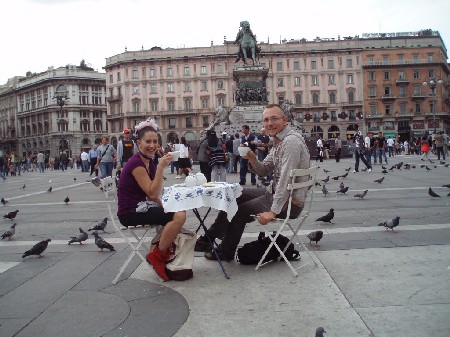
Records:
x=221, y=100
x=415, y=58
x=187, y=86
x=203, y=85
x=205, y=103
x=370, y=59
x=186, y=71
x=297, y=81
x=372, y=91
x=373, y=110
x=136, y=105
x=220, y=68
x=314, y=80
x=387, y=91
x=430, y=57
x=205, y=121
x=189, y=122
x=402, y=108
x=431, y=73
x=350, y=79
x=331, y=79
x=416, y=74
x=298, y=98
x=417, y=89
x=280, y=82
x=188, y=104
x=402, y=91
x=401, y=59
x=203, y=70
x=279, y=66
x=387, y=109
x=296, y=65
x=351, y=97
x=135, y=73
x=143, y=72
x=171, y=105
x=333, y=115
x=349, y=63
x=372, y=76
x=401, y=75
x=118, y=77
x=172, y=123
x=387, y=75
x=330, y=64
x=153, y=88
x=169, y=72
x=135, y=90
x=385, y=59
x=220, y=84
x=152, y=72
x=431, y=106
x=332, y=97
x=418, y=110
x=111, y=80
x=315, y=98
x=351, y=115
x=154, y=105
x=316, y=116
x=170, y=87
x=313, y=64
x=280, y=100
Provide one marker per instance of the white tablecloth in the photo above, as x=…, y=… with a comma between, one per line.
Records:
x=221, y=196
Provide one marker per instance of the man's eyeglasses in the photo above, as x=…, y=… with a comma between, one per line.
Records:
x=272, y=119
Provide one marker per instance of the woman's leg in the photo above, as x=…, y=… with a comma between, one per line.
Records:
x=171, y=230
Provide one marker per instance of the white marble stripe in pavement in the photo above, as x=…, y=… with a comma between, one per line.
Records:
x=328, y=231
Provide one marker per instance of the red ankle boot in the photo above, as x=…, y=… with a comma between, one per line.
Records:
x=157, y=259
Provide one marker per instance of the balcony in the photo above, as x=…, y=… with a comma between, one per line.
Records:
x=388, y=97
x=316, y=119
x=352, y=104
x=374, y=128
x=352, y=118
x=114, y=98
x=374, y=116
x=418, y=96
x=402, y=80
x=334, y=118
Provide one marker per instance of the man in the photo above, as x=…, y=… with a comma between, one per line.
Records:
x=319, y=148
x=250, y=141
x=360, y=150
x=338, y=147
x=40, y=158
x=390, y=146
x=93, y=160
x=371, y=148
x=84, y=161
x=236, y=155
x=289, y=152
x=202, y=155
x=439, y=141
x=105, y=158
x=126, y=148
x=63, y=160
x=263, y=144
x=381, y=148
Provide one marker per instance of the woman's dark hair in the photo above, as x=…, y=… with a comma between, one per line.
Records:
x=144, y=130
x=183, y=141
x=213, y=141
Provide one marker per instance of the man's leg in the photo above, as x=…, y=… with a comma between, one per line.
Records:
x=366, y=163
x=356, y=160
x=243, y=171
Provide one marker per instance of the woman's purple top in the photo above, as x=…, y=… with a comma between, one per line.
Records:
x=129, y=193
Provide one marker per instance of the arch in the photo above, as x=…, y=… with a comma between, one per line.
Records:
x=190, y=136
x=41, y=143
x=85, y=141
x=333, y=132
x=316, y=130
x=352, y=127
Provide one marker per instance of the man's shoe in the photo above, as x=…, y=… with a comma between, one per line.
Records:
x=202, y=244
x=369, y=170
x=354, y=171
x=241, y=183
x=212, y=257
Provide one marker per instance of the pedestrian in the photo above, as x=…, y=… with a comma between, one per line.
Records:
x=439, y=141
x=217, y=153
x=425, y=148
x=319, y=148
x=236, y=155
x=381, y=148
x=93, y=160
x=105, y=158
x=360, y=151
x=40, y=158
x=2, y=170
x=126, y=148
x=184, y=161
x=390, y=146
x=63, y=159
x=84, y=161
x=202, y=155
x=229, y=146
x=249, y=140
x=338, y=147
x=406, y=146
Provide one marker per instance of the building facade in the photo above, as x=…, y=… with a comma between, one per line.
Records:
x=31, y=121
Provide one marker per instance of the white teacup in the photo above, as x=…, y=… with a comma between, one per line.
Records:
x=190, y=181
x=243, y=150
x=175, y=155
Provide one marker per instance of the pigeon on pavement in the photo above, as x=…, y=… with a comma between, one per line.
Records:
x=83, y=236
x=341, y=185
x=4, y=202
x=9, y=234
x=23, y=187
x=361, y=195
x=343, y=190
x=428, y=169
x=315, y=236
x=37, y=249
x=317, y=183
x=390, y=224
x=74, y=178
x=102, y=244
x=327, y=217
x=384, y=171
x=379, y=181
x=50, y=189
x=383, y=167
x=327, y=179
x=336, y=178
x=325, y=190
x=433, y=193
x=66, y=200
x=100, y=226
x=11, y=215
x=320, y=331
x=348, y=170
x=326, y=171
x=345, y=175
x=399, y=165
x=446, y=165
x=448, y=186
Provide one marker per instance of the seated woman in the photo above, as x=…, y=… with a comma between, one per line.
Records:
x=141, y=179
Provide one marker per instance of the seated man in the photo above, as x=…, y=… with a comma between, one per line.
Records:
x=289, y=152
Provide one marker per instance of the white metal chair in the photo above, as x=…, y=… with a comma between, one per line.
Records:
x=309, y=183
x=109, y=189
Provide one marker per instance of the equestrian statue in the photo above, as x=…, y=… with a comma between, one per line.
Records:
x=246, y=41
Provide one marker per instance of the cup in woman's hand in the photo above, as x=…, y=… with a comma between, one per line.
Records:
x=175, y=155
x=243, y=150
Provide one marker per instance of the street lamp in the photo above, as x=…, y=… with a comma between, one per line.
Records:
x=432, y=84
x=61, y=98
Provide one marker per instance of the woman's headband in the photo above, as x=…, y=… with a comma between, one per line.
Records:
x=149, y=122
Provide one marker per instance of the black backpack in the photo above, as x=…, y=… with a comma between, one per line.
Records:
x=252, y=252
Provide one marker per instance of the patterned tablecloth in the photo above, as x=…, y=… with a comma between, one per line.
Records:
x=221, y=196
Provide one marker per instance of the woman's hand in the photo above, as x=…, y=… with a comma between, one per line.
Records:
x=165, y=160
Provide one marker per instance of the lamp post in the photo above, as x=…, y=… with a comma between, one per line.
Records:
x=61, y=98
x=432, y=84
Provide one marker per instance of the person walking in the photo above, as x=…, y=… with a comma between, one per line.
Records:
x=84, y=161
x=319, y=148
x=439, y=141
x=217, y=154
x=202, y=155
x=93, y=160
x=338, y=147
x=236, y=155
x=249, y=140
x=425, y=148
x=184, y=161
x=126, y=148
x=390, y=145
x=40, y=158
x=105, y=158
x=360, y=151
x=381, y=148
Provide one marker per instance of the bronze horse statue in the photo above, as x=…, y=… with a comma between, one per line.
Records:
x=247, y=44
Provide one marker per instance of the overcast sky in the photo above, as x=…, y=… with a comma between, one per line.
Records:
x=37, y=34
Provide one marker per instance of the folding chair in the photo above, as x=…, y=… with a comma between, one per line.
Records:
x=109, y=189
x=294, y=176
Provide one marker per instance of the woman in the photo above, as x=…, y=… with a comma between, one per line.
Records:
x=105, y=158
x=425, y=148
x=184, y=161
x=217, y=154
x=141, y=179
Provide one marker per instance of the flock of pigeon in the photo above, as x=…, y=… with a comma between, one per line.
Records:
x=41, y=246
x=316, y=236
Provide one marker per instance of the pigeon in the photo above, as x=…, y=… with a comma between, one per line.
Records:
x=399, y=165
x=315, y=236
x=50, y=189
x=384, y=171
x=336, y=178
x=433, y=194
x=66, y=200
x=345, y=175
x=422, y=166
x=326, y=171
x=446, y=165
x=23, y=187
x=348, y=170
x=442, y=162
x=390, y=224
x=320, y=331
x=102, y=244
x=383, y=167
x=393, y=167
x=341, y=185
x=361, y=195
x=37, y=249
x=327, y=217
x=11, y=215
x=379, y=181
x=317, y=183
x=74, y=178
x=100, y=226
x=428, y=169
x=364, y=169
x=448, y=186
x=448, y=195
x=325, y=190
x=407, y=166
x=413, y=166
x=79, y=238
x=4, y=202
x=9, y=234
x=343, y=190
x=327, y=179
